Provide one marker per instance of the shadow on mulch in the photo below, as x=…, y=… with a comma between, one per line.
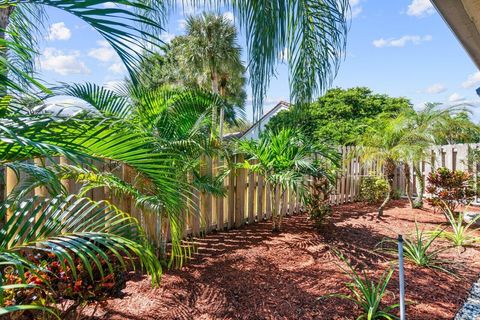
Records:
x=250, y=273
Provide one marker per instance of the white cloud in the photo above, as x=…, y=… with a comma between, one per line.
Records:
x=62, y=63
x=229, y=16
x=473, y=80
x=117, y=67
x=103, y=53
x=58, y=31
x=436, y=88
x=167, y=37
x=355, y=8
x=182, y=24
x=402, y=41
x=455, y=97
x=419, y=8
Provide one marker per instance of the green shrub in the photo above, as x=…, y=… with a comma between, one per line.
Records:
x=373, y=189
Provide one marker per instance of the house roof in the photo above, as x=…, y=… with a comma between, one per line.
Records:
x=463, y=17
x=273, y=111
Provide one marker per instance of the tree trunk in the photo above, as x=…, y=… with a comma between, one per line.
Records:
x=408, y=178
x=214, y=78
x=390, y=167
x=280, y=210
x=222, y=114
x=273, y=206
x=420, y=187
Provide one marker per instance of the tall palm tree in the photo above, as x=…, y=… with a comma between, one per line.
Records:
x=210, y=48
x=285, y=160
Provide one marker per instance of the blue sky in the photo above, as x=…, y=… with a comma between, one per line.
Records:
x=401, y=48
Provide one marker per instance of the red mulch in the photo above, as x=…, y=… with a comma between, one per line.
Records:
x=253, y=274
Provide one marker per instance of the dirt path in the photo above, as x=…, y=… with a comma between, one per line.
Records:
x=253, y=274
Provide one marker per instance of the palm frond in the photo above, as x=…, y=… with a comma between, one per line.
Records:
x=77, y=227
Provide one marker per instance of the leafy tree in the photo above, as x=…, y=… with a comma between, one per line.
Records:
x=285, y=159
x=339, y=116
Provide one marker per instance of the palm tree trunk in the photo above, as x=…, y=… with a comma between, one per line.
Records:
x=214, y=77
x=273, y=206
x=222, y=114
x=390, y=167
x=280, y=213
x=408, y=178
x=420, y=186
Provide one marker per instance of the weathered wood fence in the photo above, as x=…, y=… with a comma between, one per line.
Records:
x=246, y=197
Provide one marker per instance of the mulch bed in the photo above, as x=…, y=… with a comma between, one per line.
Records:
x=253, y=274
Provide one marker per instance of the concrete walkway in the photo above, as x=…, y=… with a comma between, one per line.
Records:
x=471, y=308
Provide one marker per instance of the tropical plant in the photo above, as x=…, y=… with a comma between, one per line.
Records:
x=418, y=249
x=373, y=189
x=449, y=189
x=285, y=160
x=366, y=293
x=424, y=128
x=70, y=229
x=211, y=52
x=22, y=24
x=318, y=200
x=382, y=145
x=462, y=233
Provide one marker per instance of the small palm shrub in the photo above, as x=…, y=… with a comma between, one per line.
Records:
x=317, y=201
x=418, y=250
x=373, y=189
x=462, y=233
x=367, y=293
x=448, y=189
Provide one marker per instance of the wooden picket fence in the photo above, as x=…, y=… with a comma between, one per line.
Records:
x=246, y=192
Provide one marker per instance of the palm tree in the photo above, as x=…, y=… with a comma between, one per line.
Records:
x=175, y=120
x=382, y=145
x=210, y=48
x=285, y=160
x=427, y=127
x=22, y=24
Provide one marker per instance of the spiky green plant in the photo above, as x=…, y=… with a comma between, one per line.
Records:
x=418, y=249
x=462, y=234
x=367, y=293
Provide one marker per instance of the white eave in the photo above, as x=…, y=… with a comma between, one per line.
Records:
x=463, y=17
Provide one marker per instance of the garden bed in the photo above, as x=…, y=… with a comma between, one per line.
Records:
x=253, y=274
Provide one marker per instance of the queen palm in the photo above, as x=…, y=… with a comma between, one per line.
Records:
x=285, y=160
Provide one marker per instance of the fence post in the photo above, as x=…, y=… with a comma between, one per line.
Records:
x=401, y=277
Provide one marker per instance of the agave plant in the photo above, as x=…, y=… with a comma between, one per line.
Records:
x=366, y=293
x=418, y=249
x=462, y=233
